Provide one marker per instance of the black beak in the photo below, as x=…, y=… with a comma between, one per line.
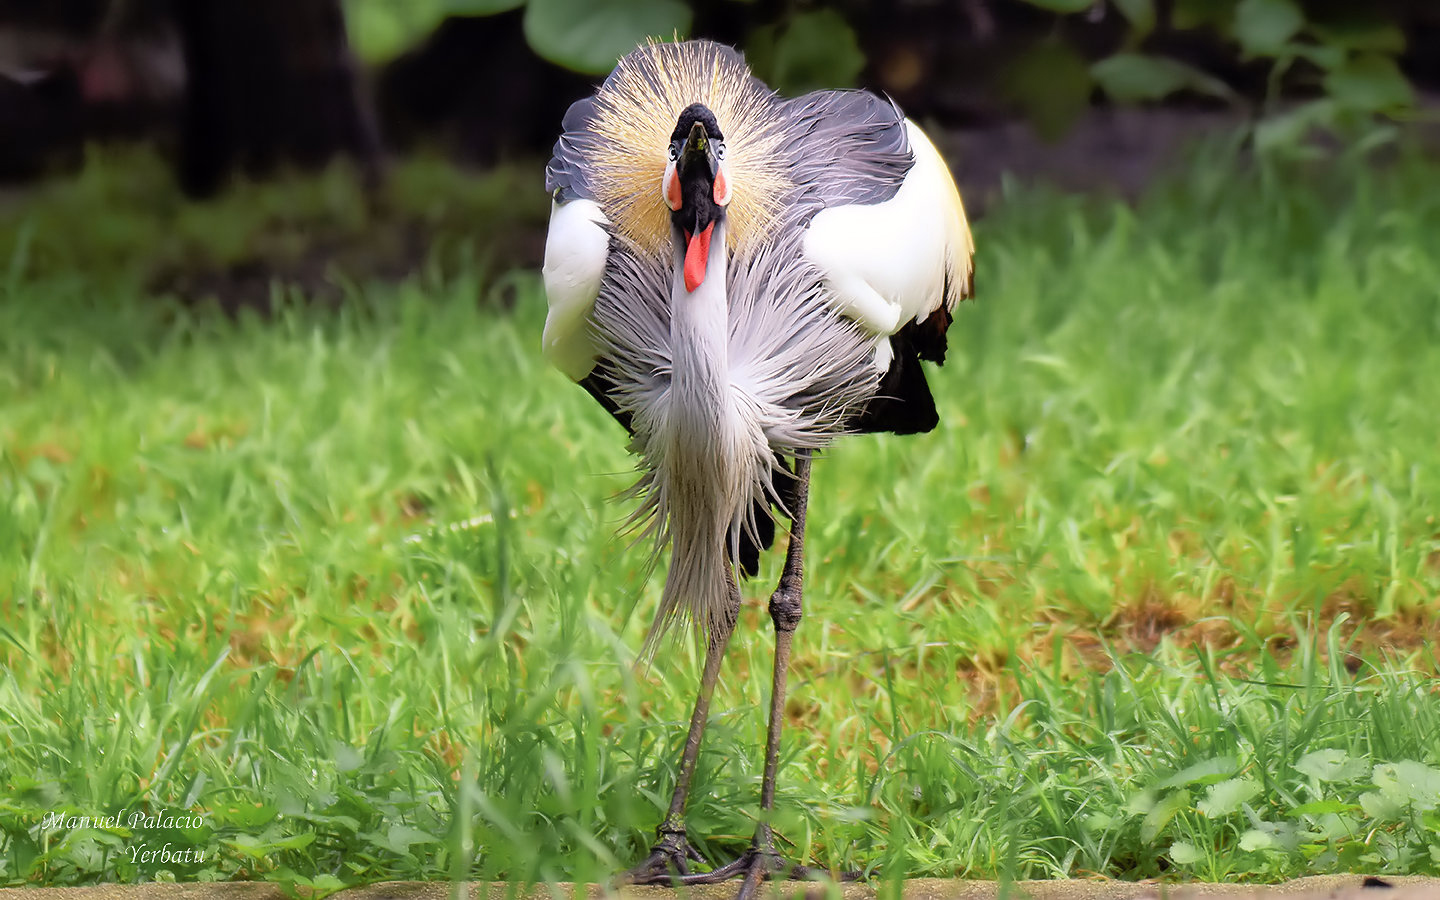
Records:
x=698, y=150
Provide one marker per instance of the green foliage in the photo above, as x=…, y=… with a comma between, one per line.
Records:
x=1064, y=6
x=1131, y=77
x=585, y=35
x=320, y=229
x=1051, y=84
x=1369, y=82
x=808, y=49
x=1265, y=27
x=383, y=29
x=811, y=51
x=590, y=35
x=1347, y=52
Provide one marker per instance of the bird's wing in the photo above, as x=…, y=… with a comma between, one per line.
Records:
x=891, y=237
x=567, y=176
x=845, y=147
x=577, y=246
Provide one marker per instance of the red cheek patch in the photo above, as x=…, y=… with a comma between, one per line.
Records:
x=722, y=188
x=672, y=190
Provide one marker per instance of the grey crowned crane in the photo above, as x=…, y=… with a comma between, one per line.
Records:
x=739, y=278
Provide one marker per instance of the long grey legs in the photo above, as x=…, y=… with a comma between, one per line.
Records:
x=670, y=857
x=672, y=853
x=786, y=610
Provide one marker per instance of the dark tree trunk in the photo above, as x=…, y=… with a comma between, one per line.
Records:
x=269, y=82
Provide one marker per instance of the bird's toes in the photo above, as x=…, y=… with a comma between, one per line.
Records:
x=668, y=862
x=762, y=864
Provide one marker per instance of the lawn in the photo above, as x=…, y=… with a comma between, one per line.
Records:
x=334, y=594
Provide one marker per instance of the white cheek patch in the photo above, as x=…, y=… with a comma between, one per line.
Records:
x=670, y=187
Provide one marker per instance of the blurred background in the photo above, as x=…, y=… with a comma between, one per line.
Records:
x=1079, y=93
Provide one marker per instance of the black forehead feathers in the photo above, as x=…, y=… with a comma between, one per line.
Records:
x=697, y=112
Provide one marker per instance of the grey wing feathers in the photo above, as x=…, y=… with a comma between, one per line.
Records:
x=566, y=177
x=848, y=146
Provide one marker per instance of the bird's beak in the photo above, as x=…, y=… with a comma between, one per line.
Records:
x=698, y=155
x=697, y=150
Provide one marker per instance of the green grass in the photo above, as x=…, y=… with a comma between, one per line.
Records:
x=1159, y=598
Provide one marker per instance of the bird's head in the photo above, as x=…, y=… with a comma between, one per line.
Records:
x=696, y=187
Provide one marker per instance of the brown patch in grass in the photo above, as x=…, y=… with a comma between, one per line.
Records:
x=1349, y=599
x=412, y=506
x=258, y=631
x=1184, y=543
x=445, y=748
x=1224, y=592
x=47, y=450
x=1144, y=622
x=222, y=435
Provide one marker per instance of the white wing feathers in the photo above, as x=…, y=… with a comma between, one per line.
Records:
x=576, y=248
x=899, y=260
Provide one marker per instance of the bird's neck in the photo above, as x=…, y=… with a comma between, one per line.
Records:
x=700, y=326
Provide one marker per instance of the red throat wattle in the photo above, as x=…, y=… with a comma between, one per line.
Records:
x=697, y=257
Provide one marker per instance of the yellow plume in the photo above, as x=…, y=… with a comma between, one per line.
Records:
x=636, y=111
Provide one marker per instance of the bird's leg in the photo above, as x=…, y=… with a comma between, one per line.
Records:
x=762, y=861
x=786, y=610
x=672, y=854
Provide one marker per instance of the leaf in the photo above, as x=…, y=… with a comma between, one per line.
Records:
x=1051, y=84
x=402, y=836
x=1330, y=765
x=1255, y=839
x=1227, y=797
x=1355, y=27
x=1323, y=56
x=383, y=29
x=1321, y=808
x=1264, y=26
x=813, y=50
x=1376, y=135
x=1140, y=14
x=1184, y=853
x=480, y=7
x=1286, y=132
x=1380, y=807
x=245, y=815
x=293, y=842
x=590, y=35
x=1063, y=6
x=1129, y=77
x=1141, y=803
x=1369, y=82
x=347, y=758
x=1187, y=15
x=1160, y=816
x=248, y=845
x=1207, y=772
x=1408, y=781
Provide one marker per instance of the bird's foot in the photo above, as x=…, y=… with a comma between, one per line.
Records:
x=762, y=864
x=759, y=864
x=668, y=862
x=670, y=858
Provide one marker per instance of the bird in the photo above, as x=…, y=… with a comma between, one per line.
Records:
x=740, y=278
